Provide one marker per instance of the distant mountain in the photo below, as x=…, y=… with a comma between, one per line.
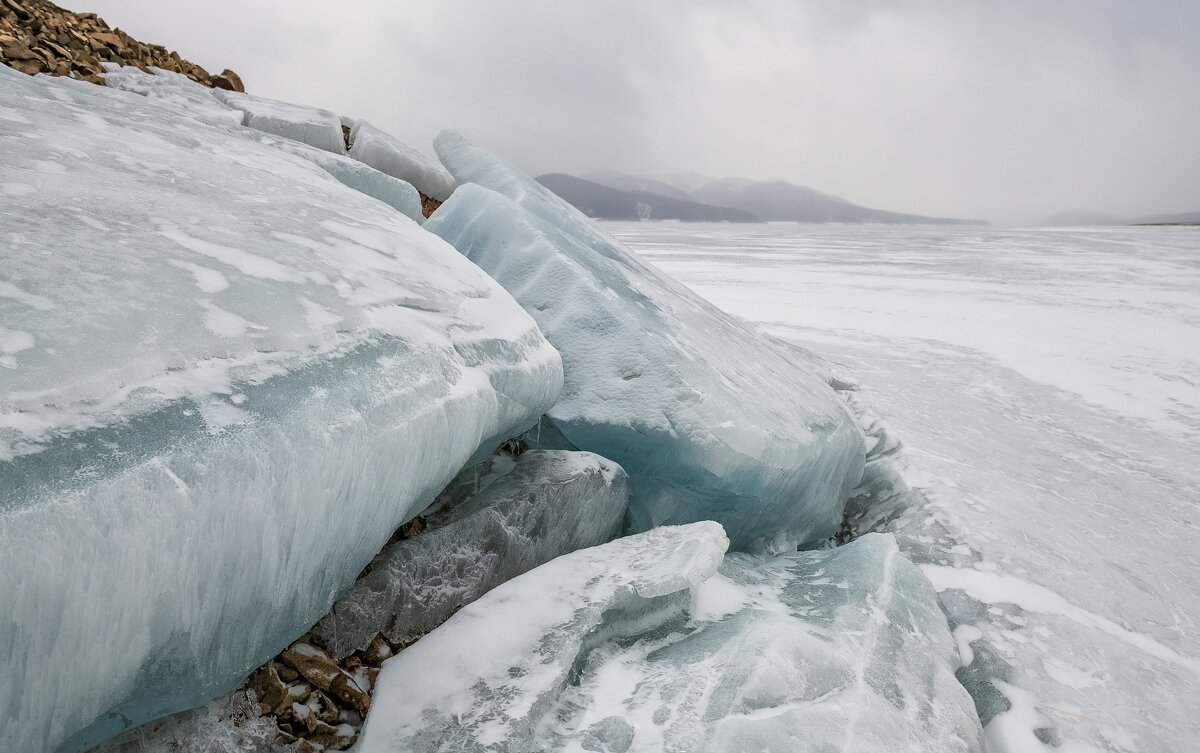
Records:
x=603, y=202
x=780, y=200
x=1108, y=218
x=1183, y=218
x=623, y=182
x=1083, y=218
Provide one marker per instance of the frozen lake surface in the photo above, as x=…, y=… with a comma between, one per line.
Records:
x=1046, y=386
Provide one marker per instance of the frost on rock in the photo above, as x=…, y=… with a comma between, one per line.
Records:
x=308, y=125
x=550, y=503
x=710, y=418
x=215, y=411
x=493, y=672
x=842, y=649
x=388, y=154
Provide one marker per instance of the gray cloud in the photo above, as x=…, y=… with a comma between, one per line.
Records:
x=1002, y=110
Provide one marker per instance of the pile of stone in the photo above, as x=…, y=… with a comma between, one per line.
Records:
x=316, y=701
x=39, y=37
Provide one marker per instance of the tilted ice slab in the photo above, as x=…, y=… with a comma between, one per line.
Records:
x=187, y=97
x=491, y=673
x=710, y=418
x=388, y=154
x=225, y=380
x=842, y=649
x=550, y=503
x=308, y=125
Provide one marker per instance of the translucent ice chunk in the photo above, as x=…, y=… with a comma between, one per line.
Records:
x=308, y=125
x=228, y=379
x=842, y=649
x=493, y=671
x=710, y=418
x=551, y=503
x=385, y=152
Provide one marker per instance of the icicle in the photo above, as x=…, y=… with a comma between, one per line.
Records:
x=476, y=479
x=539, y=434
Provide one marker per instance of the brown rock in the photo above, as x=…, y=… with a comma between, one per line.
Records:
x=32, y=67
x=329, y=736
x=329, y=710
x=303, y=716
x=378, y=651
x=306, y=747
x=109, y=39
x=429, y=205
x=286, y=673
x=269, y=690
x=15, y=50
x=228, y=80
x=316, y=667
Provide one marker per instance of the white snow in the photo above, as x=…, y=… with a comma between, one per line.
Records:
x=711, y=419
x=1043, y=383
x=222, y=407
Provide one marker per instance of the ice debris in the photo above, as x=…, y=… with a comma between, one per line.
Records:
x=638, y=646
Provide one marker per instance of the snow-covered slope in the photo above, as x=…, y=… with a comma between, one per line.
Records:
x=225, y=379
x=639, y=646
x=708, y=416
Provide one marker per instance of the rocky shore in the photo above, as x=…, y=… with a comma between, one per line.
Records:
x=39, y=37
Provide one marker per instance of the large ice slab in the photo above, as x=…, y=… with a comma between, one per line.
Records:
x=494, y=670
x=549, y=504
x=308, y=125
x=842, y=649
x=389, y=154
x=225, y=379
x=712, y=419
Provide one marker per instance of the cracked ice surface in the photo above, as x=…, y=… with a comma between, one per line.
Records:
x=551, y=503
x=841, y=649
x=226, y=378
x=308, y=125
x=1044, y=384
x=710, y=418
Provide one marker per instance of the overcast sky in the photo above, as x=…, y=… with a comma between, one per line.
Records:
x=1003, y=110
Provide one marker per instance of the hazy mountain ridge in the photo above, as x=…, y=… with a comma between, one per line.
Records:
x=607, y=203
x=1076, y=218
x=775, y=200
